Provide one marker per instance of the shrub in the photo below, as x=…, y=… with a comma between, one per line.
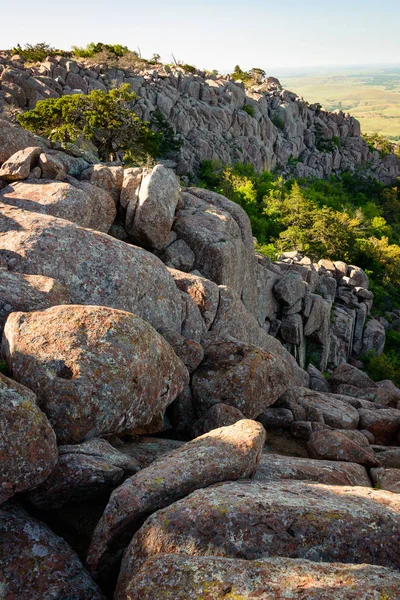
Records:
x=249, y=109
x=384, y=366
x=92, y=49
x=36, y=52
x=189, y=68
x=104, y=118
x=278, y=122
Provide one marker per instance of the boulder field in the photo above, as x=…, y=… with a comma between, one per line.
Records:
x=180, y=417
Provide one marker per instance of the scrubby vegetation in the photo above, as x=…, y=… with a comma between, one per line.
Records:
x=35, y=52
x=347, y=218
x=105, y=119
x=253, y=77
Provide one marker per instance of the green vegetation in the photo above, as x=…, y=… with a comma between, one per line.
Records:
x=253, y=77
x=92, y=49
x=105, y=119
x=387, y=365
x=36, y=52
x=278, y=122
x=249, y=109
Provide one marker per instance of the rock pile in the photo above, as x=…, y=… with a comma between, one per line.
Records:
x=131, y=306
x=215, y=117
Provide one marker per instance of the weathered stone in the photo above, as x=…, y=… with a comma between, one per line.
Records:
x=276, y=418
x=219, y=415
x=130, y=189
x=386, y=479
x=335, y=445
x=336, y=413
x=204, y=292
x=349, y=375
x=240, y=375
x=256, y=519
x=60, y=199
x=51, y=167
x=19, y=165
x=384, y=424
x=190, y=352
x=359, y=276
x=318, y=383
x=107, y=178
x=95, y=268
x=36, y=564
x=154, y=214
x=96, y=370
x=292, y=329
x=226, y=453
x=13, y=139
x=290, y=289
x=274, y=468
x=373, y=338
x=178, y=255
x=179, y=577
x=20, y=292
x=390, y=458
x=28, y=448
x=147, y=449
x=84, y=471
x=193, y=326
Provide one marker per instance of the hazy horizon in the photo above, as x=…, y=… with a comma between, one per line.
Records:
x=220, y=34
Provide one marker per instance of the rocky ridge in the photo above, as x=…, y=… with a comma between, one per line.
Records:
x=132, y=306
x=215, y=117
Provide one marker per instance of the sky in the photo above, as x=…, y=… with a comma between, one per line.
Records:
x=219, y=34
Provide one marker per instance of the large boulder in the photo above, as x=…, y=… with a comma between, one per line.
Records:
x=84, y=472
x=13, y=139
x=257, y=519
x=204, y=293
x=240, y=375
x=36, y=564
x=60, y=199
x=336, y=445
x=226, y=453
x=220, y=249
x=96, y=370
x=19, y=165
x=28, y=448
x=180, y=577
x=148, y=449
x=346, y=374
x=274, y=467
x=108, y=178
x=94, y=267
x=154, y=215
x=386, y=479
x=334, y=411
x=219, y=415
x=384, y=423
x=374, y=337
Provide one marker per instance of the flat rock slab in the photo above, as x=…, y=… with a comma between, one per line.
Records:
x=175, y=577
x=84, y=471
x=228, y=453
x=94, y=267
x=255, y=519
x=35, y=564
x=273, y=467
x=96, y=370
x=60, y=199
x=28, y=448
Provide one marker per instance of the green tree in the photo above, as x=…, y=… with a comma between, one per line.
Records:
x=104, y=118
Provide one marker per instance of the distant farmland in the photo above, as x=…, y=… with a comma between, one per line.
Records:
x=372, y=96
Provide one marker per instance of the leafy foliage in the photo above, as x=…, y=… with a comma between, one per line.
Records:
x=36, y=52
x=249, y=109
x=253, y=77
x=104, y=118
x=92, y=49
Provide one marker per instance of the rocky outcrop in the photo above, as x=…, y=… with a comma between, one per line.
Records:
x=214, y=117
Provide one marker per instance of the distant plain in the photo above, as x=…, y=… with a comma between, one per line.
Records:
x=372, y=95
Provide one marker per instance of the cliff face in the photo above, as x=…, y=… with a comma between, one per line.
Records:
x=217, y=118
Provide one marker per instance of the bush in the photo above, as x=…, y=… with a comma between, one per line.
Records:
x=278, y=122
x=92, y=49
x=384, y=366
x=249, y=109
x=104, y=118
x=36, y=52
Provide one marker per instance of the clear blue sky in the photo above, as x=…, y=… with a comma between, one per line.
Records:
x=219, y=34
